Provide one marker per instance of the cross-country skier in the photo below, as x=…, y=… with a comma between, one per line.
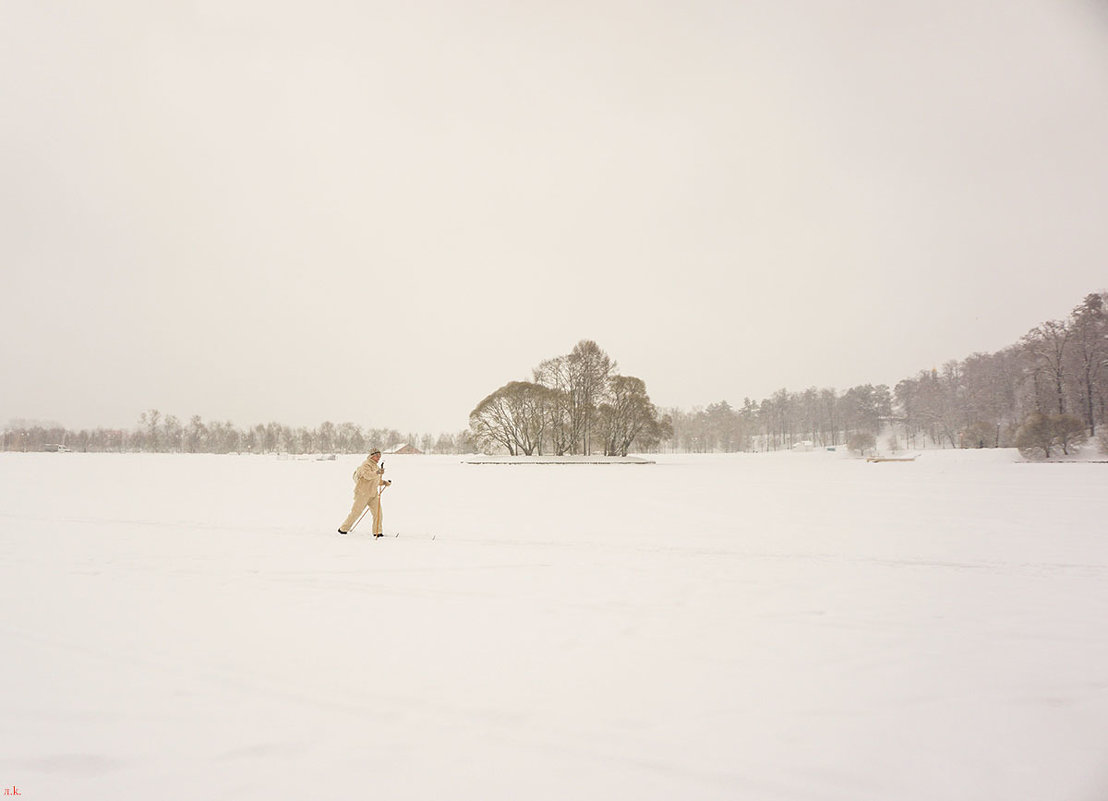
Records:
x=369, y=480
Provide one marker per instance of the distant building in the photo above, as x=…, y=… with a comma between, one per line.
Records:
x=403, y=449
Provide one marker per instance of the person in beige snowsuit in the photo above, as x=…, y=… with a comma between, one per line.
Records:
x=369, y=480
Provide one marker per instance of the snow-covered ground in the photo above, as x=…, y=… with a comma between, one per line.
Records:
x=792, y=626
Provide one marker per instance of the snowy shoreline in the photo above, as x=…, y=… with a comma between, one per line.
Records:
x=533, y=460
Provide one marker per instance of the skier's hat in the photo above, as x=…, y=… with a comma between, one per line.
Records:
x=375, y=450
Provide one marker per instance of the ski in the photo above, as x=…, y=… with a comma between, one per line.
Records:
x=396, y=535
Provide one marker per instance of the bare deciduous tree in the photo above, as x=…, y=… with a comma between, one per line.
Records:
x=513, y=416
x=555, y=375
x=1089, y=353
x=589, y=369
x=626, y=415
x=1047, y=345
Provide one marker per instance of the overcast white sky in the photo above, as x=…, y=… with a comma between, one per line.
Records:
x=382, y=211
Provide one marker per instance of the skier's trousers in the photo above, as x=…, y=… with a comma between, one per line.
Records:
x=363, y=497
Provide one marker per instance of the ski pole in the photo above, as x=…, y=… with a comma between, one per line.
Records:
x=385, y=486
x=359, y=520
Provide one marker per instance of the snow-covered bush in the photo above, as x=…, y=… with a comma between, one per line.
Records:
x=861, y=441
x=1040, y=434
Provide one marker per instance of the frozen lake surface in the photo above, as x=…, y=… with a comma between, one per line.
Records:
x=764, y=627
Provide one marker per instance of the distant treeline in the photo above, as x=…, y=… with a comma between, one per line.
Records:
x=158, y=433
x=1049, y=390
